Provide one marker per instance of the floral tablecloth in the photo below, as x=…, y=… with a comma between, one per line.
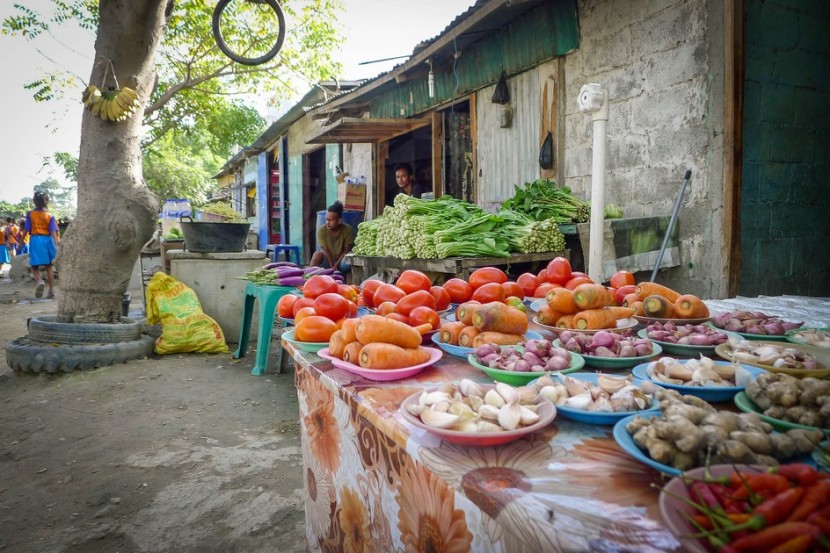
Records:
x=375, y=483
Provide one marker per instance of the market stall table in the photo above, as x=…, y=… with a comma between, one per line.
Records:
x=374, y=481
x=364, y=266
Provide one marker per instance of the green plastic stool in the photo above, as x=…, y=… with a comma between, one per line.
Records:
x=268, y=297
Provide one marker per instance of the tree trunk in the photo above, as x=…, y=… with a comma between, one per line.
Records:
x=117, y=213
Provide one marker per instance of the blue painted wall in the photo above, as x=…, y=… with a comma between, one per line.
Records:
x=295, y=199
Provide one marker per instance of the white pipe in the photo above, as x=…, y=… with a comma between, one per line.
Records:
x=594, y=100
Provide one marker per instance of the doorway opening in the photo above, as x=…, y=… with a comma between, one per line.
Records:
x=314, y=196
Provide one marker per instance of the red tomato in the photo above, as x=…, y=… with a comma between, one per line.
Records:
x=579, y=274
x=492, y=291
x=458, y=289
x=543, y=289
x=369, y=289
x=622, y=278
x=486, y=275
x=385, y=308
x=416, y=299
x=349, y=292
x=314, y=328
x=542, y=277
x=387, y=292
x=352, y=310
x=319, y=285
x=576, y=281
x=516, y=303
x=528, y=282
x=423, y=314
x=621, y=292
x=513, y=289
x=411, y=281
x=559, y=270
x=398, y=317
x=299, y=304
x=613, y=292
x=285, y=307
x=303, y=313
x=441, y=297
x=331, y=305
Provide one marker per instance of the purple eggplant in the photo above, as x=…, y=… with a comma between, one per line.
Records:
x=285, y=272
x=281, y=264
x=291, y=281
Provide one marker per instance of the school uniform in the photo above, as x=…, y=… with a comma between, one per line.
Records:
x=40, y=225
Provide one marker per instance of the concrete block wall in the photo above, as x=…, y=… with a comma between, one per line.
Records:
x=661, y=62
x=785, y=194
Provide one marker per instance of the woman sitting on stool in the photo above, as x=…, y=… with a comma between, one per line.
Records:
x=335, y=239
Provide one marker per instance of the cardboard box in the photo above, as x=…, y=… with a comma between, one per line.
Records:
x=353, y=196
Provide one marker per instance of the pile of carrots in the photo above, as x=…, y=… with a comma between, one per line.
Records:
x=661, y=302
x=479, y=323
x=587, y=307
x=786, y=510
x=376, y=342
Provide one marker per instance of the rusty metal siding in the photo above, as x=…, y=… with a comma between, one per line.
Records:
x=510, y=156
x=545, y=32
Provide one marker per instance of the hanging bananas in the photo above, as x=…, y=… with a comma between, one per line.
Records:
x=116, y=104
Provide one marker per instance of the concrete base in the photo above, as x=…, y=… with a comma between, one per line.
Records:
x=215, y=279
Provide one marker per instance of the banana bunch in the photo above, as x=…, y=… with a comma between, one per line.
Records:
x=111, y=105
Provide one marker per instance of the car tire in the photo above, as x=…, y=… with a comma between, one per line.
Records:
x=47, y=329
x=26, y=355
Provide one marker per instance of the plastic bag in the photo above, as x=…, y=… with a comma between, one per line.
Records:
x=546, y=152
x=184, y=326
x=501, y=95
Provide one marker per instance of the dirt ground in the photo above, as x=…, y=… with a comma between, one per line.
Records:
x=185, y=453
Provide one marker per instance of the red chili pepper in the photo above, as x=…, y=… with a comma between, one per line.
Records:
x=800, y=473
x=774, y=535
x=730, y=504
x=799, y=544
x=702, y=493
x=815, y=497
x=745, y=485
x=777, y=509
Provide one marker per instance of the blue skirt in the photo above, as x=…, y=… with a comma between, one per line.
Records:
x=42, y=250
x=5, y=257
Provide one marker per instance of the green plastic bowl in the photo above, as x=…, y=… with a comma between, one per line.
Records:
x=515, y=378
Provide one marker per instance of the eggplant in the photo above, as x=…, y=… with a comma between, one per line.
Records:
x=285, y=272
x=281, y=264
x=290, y=281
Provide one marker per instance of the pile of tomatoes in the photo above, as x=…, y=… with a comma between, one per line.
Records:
x=318, y=313
x=412, y=299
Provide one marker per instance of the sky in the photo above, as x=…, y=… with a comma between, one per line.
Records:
x=374, y=29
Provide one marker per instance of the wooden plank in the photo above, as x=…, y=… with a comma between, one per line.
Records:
x=732, y=144
x=437, y=161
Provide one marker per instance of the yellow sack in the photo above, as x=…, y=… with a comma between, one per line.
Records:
x=184, y=326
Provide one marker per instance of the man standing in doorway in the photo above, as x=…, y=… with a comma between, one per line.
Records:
x=403, y=176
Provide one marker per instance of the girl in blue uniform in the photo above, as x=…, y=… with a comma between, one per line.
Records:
x=43, y=230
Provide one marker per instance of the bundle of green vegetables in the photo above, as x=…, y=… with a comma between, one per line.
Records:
x=542, y=199
x=447, y=227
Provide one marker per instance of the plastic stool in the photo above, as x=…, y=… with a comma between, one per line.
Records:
x=268, y=296
x=288, y=249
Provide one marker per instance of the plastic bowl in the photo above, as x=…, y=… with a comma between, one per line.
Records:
x=711, y=394
x=312, y=347
x=822, y=356
x=460, y=351
x=516, y=378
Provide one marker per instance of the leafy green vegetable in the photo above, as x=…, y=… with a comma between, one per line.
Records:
x=542, y=199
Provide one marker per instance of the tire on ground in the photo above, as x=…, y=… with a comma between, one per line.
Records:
x=25, y=355
x=47, y=329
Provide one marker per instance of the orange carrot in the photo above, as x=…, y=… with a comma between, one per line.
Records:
x=646, y=289
x=637, y=306
x=449, y=332
x=603, y=317
x=337, y=344
x=592, y=296
x=467, y=335
x=631, y=298
x=565, y=321
x=348, y=327
x=500, y=317
x=465, y=311
x=658, y=307
x=351, y=354
x=548, y=316
x=498, y=338
x=423, y=328
x=562, y=300
x=389, y=356
x=689, y=306
x=374, y=328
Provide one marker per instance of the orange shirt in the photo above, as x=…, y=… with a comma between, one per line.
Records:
x=41, y=222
